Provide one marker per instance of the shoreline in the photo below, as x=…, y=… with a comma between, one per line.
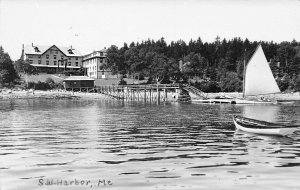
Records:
x=291, y=96
x=60, y=94
x=49, y=94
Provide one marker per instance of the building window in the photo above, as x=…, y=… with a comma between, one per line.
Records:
x=62, y=57
x=40, y=57
x=56, y=52
x=62, y=63
x=69, y=63
x=76, y=63
x=101, y=60
x=101, y=54
x=40, y=61
x=54, y=56
x=30, y=56
x=76, y=58
x=54, y=62
x=47, y=56
x=30, y=61
x=47, y=62
x=69, y=58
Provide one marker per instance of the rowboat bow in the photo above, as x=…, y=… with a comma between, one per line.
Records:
x=263, y=127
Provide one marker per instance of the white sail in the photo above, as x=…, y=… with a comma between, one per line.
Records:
x=258, y=77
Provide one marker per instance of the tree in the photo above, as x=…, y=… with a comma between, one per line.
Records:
x=133, y=61
x=4, y=75
x=297, y=84
x=25, y=69
x=174, y=70
x=8, y=73
x=113, y=59
x=159, y=67
x=231, y=83
x=194, y=65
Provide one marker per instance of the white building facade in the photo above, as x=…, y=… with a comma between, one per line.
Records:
x=52, y=58
x=95, y=64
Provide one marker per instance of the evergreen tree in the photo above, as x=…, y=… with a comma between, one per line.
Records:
x=8, y=74
x=216, y=62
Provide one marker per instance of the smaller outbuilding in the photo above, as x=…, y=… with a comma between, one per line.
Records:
x=78, y=83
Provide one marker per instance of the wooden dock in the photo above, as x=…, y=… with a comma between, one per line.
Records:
x=151, y=92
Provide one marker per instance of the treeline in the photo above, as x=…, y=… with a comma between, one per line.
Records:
x=212, y=67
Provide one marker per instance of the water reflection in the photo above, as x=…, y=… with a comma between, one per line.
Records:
x=262, y=112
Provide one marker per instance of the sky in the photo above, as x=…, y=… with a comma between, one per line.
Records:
x=90, y=25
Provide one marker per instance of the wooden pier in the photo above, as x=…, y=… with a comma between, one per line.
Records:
x=151, y=92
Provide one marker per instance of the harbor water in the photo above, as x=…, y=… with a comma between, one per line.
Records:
x=110, y=144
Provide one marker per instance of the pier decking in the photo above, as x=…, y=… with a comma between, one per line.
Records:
x=151, y=92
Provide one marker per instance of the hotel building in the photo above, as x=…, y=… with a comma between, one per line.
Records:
x=95, y=64
x=52, y=58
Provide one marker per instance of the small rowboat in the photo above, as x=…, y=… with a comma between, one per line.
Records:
x=263, y=127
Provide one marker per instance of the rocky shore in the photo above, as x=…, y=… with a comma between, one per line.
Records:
x=51, y=94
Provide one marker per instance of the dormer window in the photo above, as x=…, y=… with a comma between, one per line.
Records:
x=70, y=51
x=36, y=49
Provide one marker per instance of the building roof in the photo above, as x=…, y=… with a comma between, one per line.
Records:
x=41, y=49
x=78, y=78
x=102, y=50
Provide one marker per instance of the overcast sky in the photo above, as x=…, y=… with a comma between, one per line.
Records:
x=90, y=25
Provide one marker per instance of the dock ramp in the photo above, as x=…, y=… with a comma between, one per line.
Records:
x=195, y=91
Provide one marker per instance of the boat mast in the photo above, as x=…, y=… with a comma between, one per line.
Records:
x=244, y=74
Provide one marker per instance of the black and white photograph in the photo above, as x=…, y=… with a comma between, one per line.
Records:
x=149, y=94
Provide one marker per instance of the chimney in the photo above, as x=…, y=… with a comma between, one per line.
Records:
x=22, y=55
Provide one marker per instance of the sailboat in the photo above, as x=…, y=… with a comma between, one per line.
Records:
x=258, y=82
x=258, y=79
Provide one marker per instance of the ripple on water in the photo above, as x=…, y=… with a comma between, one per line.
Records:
x=168, y=146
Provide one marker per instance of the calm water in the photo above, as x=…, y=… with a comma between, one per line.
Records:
x=143, y=146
